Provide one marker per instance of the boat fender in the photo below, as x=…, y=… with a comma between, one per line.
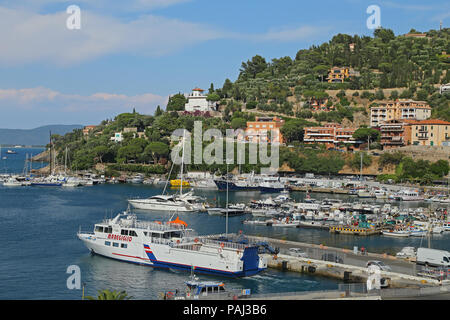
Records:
x=222, y=245
x=195, y=240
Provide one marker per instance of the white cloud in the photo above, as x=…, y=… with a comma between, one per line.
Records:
x=36, y=105
x=29, y=37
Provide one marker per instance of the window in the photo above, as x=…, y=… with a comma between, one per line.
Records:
x=445, y=259
x=132, y=233
x=123, y=245
x=124, y=232
x=145, y=233
x=99, y=229
x=115, y=244
x=107, y=243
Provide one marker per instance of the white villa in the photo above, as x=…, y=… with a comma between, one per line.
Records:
x=197, y=102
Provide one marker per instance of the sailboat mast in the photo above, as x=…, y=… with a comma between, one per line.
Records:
x=51, y=159
x=226, y=219
x=182, y=162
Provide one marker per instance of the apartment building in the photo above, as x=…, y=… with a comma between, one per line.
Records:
x=395, y=133
x=399, y=110
x=263, y=129
x=431, y=132
x=333, y=136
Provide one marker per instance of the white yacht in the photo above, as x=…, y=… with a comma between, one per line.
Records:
x=163, y=203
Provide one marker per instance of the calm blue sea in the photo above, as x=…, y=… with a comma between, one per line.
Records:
x=38, y=235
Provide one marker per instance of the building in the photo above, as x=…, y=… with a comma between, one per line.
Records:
x=263, y=129
x=338, y=74
x=395, y=133
x=399, y=109
x=117, y=137
x=87, y=129
x=333, y=136
x=197, y=102
x=431, y=132
x=444, y=88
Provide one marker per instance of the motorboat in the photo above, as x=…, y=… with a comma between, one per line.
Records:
x=163, y=203
x=396, y=233
x=408, y=195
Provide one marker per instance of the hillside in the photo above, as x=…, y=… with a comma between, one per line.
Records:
x=38, y=137
x=385, y=66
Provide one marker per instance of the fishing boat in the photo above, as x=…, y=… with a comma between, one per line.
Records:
x=171, y=245
x=10, y=151
x=396, y=233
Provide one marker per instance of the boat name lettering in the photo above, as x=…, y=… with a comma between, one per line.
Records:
x=120, y=237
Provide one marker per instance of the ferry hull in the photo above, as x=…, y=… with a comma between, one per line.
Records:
x=163, y=256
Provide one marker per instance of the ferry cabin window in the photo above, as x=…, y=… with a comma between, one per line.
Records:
x=107, y=243
x=132, y=233
x=124, y=232
x=99, y=229
x=123, y=245
x=115, y=244
x=107, y=230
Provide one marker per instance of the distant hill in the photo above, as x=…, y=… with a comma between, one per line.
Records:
x=36, y=137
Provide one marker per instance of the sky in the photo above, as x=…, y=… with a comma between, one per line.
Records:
x=135, y=53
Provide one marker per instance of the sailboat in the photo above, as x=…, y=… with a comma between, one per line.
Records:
x=178, y=203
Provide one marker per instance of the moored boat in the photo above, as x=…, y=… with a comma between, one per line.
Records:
x=171, y=245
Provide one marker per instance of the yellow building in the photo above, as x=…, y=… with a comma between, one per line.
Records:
x=338, y=74
x=432, y=132
x=399, y=109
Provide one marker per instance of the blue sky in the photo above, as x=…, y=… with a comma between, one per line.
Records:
x=135, y=53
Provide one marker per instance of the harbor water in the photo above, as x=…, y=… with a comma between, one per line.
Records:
x=38, y=235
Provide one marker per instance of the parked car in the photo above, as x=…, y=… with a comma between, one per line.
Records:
x=297, y=252
x=407, y=252
x=332, y=258
x=379, y=264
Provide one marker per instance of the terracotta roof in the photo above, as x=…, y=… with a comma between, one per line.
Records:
x=197, y=89
x=430, y=121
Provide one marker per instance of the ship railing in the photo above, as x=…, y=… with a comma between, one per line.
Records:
x=225, y=244
x=158, y=227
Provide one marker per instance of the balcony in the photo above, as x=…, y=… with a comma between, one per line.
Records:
x=423, y=137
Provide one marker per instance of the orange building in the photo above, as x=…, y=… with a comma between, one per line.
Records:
x=395, y=133
x=263, y=129
x=87, y=129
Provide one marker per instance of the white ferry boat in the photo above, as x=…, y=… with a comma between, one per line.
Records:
x=171, y=245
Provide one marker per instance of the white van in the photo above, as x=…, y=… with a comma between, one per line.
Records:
x=433, y=257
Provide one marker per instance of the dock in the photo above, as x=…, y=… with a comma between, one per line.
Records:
x=318, y=189
x=349, y=266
